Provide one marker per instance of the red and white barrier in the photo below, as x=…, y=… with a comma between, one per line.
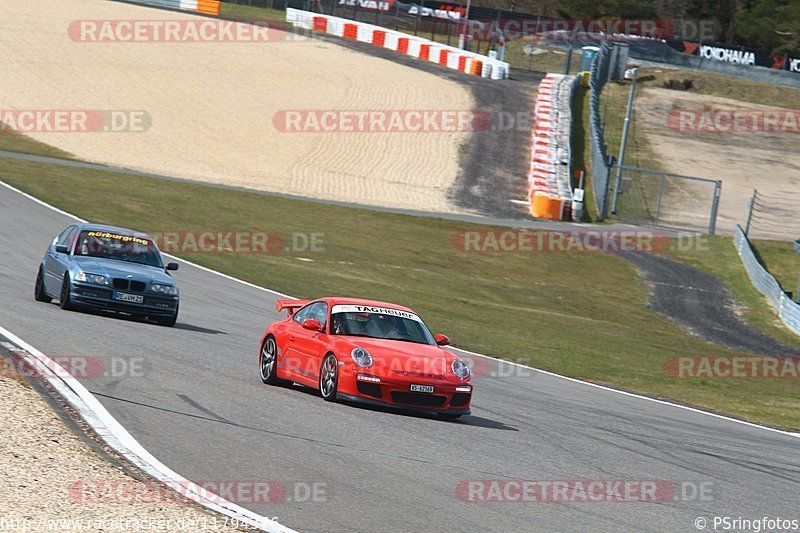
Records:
x=549, y=182
x=424, y=49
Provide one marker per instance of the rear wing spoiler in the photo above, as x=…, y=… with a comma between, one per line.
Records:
x=290, y=305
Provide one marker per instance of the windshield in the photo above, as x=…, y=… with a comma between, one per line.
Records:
x=120, y=247
x=379, y=324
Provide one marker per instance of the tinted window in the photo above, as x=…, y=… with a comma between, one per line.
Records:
x=119, y=247
x=63, y=238
x=380, y=326
x=301, y=314
x=317, y=310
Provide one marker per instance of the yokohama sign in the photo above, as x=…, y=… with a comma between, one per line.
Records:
x=750, y=57
x=728, y=55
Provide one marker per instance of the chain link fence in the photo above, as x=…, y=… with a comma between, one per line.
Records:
x=773, y=216
x=654, y=198
x=645, y=195
x=788, y=310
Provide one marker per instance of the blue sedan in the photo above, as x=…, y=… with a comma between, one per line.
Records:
x=88, y=266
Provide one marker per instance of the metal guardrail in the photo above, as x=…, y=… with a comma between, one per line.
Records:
x=766, y=284
x=598, y=76
x=569, y=100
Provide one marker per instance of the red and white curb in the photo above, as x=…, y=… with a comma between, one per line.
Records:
x=118, y=439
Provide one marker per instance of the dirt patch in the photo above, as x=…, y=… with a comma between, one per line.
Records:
x=767, y=161
x=212, y=107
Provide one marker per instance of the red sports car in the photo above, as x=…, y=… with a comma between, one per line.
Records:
x=365, y=351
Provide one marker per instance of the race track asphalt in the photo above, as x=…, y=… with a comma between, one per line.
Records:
x=199, y=406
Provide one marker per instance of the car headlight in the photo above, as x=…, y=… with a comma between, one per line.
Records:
x=460, y=369
x=361, y=357
x=164, y=289
x=91, y=278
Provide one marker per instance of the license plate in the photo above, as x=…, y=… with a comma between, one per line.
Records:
x=124, y=297
x=421, y=388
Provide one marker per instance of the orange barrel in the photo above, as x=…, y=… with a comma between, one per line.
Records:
x=546, y=206
x=402, y=45
x=209, y=7
x=320, y=24
x=424, y=51
x=477, y=67
x=378, y=37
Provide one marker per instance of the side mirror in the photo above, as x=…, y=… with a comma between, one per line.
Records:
x=312, y=324
x=172, y=266
x=441, y=340
x=60, y=248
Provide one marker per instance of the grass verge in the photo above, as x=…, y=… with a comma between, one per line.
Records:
x=582, y=315
x=717, y=256
x=781, y=260
x=14, y=142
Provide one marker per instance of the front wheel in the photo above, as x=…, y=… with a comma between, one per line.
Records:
x=39, y=293
x=65, y=301
x=329, y=378
x=268, y=362
x=168, y=321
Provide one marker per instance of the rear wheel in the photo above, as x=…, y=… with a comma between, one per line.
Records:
x=329, y=378
x=64, y=300
x=38, y=292
x=268, y=362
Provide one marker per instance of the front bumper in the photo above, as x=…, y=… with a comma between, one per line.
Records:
x=395, y=391
x=371, y=401
x=96, y=297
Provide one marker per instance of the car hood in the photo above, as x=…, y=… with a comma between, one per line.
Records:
x=406, y=358
x=112, y=268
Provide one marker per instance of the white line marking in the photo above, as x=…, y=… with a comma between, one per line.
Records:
x=118, y=438
x=573, y=380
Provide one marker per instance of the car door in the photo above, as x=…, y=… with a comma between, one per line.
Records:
x=292, y=360
x=302, y=345
x=55, y=263
x=311, y=345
